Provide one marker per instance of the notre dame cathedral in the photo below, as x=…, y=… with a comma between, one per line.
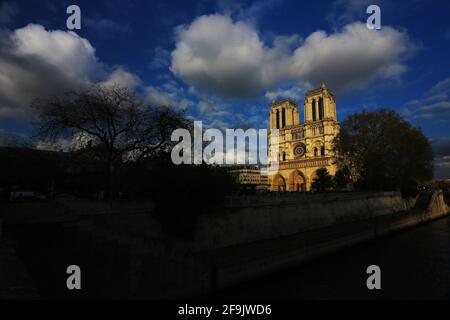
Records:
x=302, y=148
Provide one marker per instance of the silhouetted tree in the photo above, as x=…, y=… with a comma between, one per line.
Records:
x=116, y=123
x=383, y=151
x=342, y=178
x=181, y=192
x=323, y=181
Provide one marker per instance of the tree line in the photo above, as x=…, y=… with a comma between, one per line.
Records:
x=122, y=150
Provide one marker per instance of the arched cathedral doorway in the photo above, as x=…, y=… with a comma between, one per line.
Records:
x=297, y=182
x=278, y=183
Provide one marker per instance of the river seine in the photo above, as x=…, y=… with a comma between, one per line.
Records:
x=415, y=264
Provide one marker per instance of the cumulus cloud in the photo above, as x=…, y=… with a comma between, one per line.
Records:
x=35, y=62
x=213, y=110
x=67, y=51
x=296, y=91
x=122, y=78
x=351, y=58
x=169, y=95
x=157, y=97
x=218, y=55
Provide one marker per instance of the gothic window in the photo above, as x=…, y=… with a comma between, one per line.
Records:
x=322, y=151
x=278, y=119
x=283, y=118
x=320, y=108
x=284, y=156
x=315, y=152
x=314, y=110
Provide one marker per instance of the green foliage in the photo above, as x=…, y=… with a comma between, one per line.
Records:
x=383, y=151
x=342, y=178
x=323, y=181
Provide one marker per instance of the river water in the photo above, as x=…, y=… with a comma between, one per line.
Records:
x=415, y=264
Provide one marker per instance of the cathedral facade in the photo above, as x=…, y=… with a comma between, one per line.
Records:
x=302, y=148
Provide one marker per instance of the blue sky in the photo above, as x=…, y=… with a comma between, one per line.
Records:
x=224, y=61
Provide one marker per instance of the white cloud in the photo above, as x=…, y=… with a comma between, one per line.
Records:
x=351, y=58
x=157, y=97
x=122, y=78
x=67, y=51
x=35, y=62
x=296, y=91
x=217, y=55
x=168, y=96
x=213, y=109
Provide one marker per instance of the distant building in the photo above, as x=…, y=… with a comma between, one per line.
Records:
x=443, y=184
x=303, y=148
x=250, y=179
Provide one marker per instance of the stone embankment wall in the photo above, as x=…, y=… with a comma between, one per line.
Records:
x=124, y=252
x=286, y=234
x=258, y=218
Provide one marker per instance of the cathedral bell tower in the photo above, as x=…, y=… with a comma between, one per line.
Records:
x=319, y=104
x=283, y=114
x=300, y=149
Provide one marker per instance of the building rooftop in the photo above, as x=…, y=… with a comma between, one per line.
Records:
x=318, y=90
x=279, y=102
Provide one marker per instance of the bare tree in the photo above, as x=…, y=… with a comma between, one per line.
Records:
x=118, y=123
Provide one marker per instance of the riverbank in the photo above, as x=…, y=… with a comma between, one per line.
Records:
x=126, y=254
x=325, y=229
x=414, y=264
